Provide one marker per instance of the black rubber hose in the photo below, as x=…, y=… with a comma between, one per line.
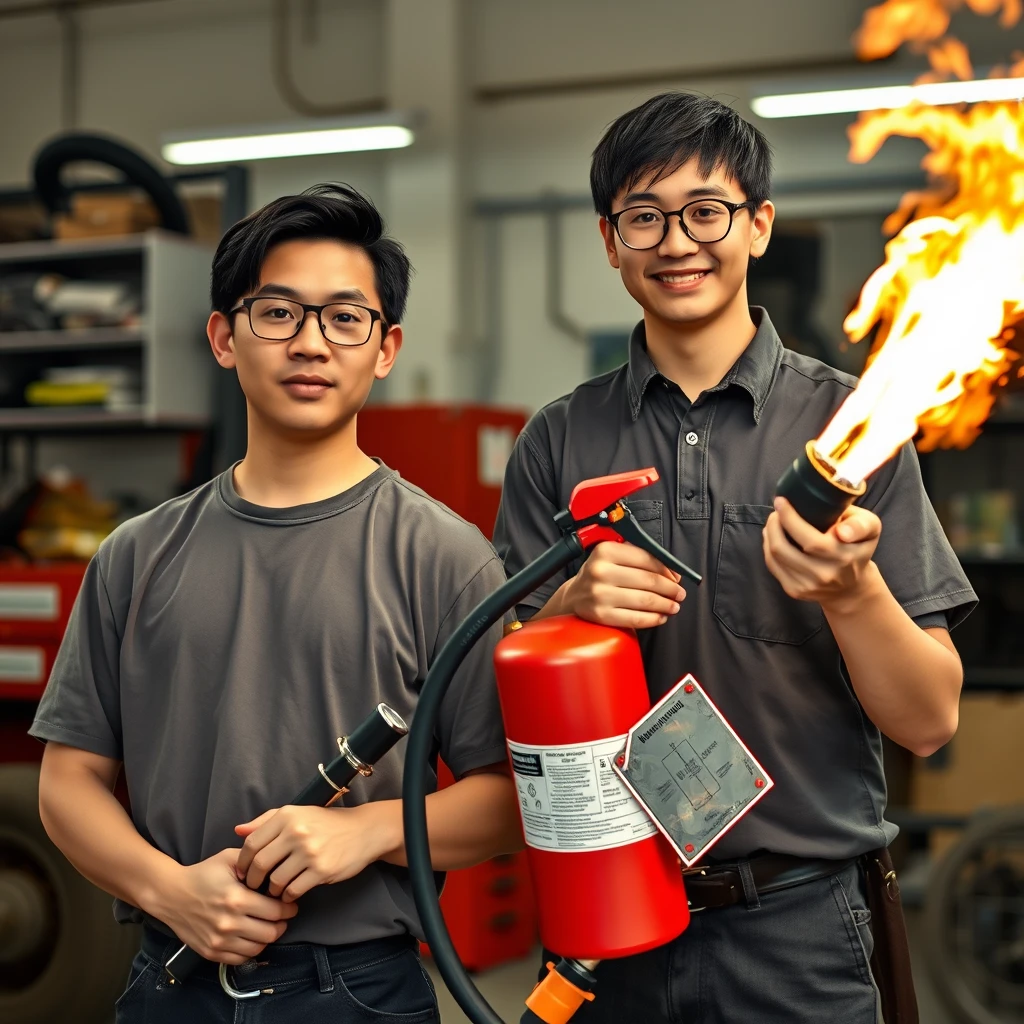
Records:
x=417, y=754
x=66, y=149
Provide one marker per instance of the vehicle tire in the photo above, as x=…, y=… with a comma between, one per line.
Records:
x=974, y=921
x=63, y=957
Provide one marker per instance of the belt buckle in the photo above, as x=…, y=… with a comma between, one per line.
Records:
x=238, y=996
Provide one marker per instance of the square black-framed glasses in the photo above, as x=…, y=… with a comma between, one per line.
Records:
x=340, y=332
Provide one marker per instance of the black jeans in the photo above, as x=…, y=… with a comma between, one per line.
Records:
x=376, y=982
x=797, y=956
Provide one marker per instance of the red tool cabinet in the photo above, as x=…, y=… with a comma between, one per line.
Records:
x=35, y=602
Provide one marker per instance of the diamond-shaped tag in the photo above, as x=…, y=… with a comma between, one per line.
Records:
x=690, y=771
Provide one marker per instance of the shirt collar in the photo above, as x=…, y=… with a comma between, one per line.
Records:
x=755, y=370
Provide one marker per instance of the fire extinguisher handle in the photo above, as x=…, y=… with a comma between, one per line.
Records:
x=630, y=530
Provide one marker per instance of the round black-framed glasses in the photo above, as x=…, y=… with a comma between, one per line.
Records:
x=345, y=324
x=702, y=220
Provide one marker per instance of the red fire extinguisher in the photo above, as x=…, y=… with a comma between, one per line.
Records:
x=607, y=883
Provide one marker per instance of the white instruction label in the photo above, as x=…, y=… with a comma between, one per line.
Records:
x=571, y=799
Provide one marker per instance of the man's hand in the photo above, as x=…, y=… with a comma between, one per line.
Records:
x=620, y=585
x=220, y=918
x=833, y=568
x=301, y=847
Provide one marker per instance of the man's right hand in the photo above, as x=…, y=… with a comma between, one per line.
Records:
x=619, y=585
x=218, y=916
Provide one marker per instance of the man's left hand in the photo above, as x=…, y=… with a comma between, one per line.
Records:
x=831, y=568
x=302, y=847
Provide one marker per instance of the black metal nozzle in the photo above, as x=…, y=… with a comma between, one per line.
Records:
x=811, y=487
x=377, y=734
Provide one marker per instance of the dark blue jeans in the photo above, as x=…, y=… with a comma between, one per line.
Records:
x=376, y=982
x=797, y=956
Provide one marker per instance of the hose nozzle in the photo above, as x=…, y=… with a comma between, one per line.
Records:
x=560, y=994
x=812, y=487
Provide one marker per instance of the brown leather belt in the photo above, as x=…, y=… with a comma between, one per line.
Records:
x=710, y=886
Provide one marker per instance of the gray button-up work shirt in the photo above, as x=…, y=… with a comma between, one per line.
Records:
x=770, y=662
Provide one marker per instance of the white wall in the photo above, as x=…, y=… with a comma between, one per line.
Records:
x=175, y=64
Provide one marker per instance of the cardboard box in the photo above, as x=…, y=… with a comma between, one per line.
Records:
x=101, y=215
x=980, y=767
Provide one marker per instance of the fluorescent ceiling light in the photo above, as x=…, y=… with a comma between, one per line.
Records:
x=268, y=142
x=887, y=97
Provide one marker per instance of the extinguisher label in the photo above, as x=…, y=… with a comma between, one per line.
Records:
x=571, y=799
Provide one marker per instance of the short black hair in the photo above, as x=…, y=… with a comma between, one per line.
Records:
x=334, y=211
x=658, y=137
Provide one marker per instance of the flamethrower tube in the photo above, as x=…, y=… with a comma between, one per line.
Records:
x=358, y=752
x=809, y=485
x=418, y=751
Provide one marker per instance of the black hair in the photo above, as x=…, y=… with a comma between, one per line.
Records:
x=658, y=137
x=323, y=211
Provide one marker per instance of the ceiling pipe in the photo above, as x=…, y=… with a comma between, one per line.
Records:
x=284, y=74
x=505, y=92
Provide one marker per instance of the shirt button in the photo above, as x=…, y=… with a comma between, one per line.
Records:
x=689, y=495
x=692, y=438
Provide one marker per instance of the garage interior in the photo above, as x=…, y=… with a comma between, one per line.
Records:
x=110, y=403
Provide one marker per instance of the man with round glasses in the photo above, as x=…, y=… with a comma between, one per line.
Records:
x=221, y=642
x=811, y=647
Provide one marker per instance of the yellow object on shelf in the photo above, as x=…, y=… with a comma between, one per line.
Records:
x=65, y=520
x=60, y=543
x=44, y=392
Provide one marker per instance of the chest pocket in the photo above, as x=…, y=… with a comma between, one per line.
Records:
x=648, y=515
x=749, y=600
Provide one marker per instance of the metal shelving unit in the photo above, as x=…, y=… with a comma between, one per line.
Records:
x=85, y=338
x=168, y=347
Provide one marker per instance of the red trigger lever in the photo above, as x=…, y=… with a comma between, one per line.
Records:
x=598, y=511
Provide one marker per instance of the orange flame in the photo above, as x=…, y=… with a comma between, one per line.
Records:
x=891, y=24
x=950, y=294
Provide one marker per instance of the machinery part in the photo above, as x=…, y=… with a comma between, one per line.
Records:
x=66, y=149
x=596, y=512
x=974, y=921
x=570, y=691
x=811, y=487
x=60, y=946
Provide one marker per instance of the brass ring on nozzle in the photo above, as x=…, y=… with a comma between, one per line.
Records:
x=361, y=767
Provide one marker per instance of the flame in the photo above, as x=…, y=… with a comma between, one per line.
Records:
x=891, y=24
x=950, y=294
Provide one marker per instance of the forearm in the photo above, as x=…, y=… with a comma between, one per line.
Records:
x=907, y=681
x=89, y=826
x=469, y=822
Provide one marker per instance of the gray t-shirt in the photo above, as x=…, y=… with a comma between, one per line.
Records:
x=218, y=648
x=769, y=662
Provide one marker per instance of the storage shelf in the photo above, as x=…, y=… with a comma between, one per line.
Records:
x=93, y=337
x=92, y=419
x=59, y=249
